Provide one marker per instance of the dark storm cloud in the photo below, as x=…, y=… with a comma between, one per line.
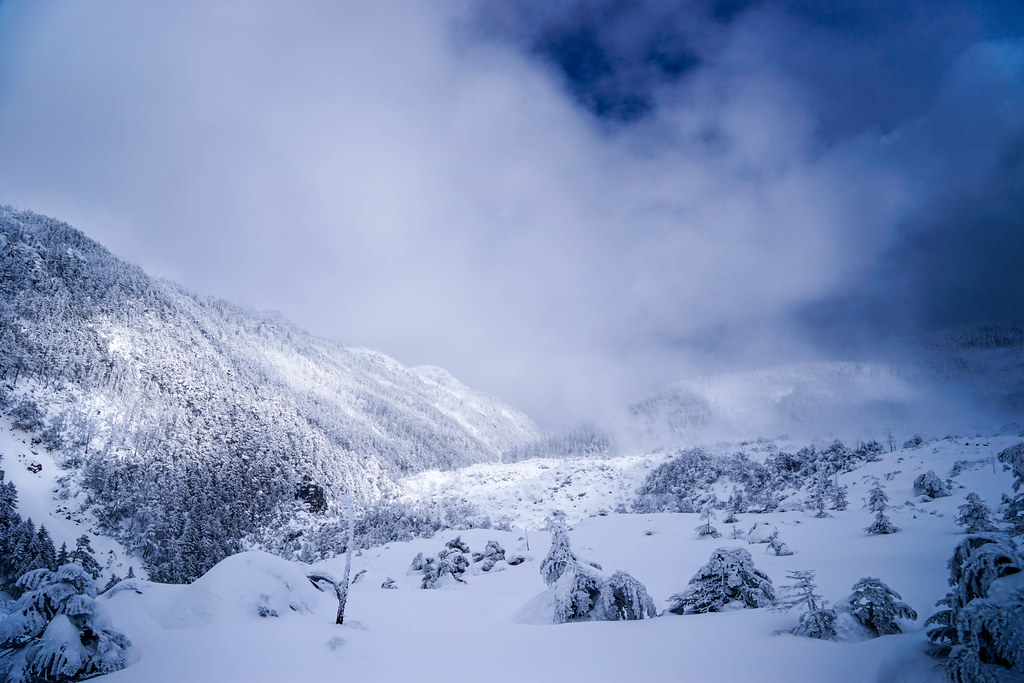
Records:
x=563, y=203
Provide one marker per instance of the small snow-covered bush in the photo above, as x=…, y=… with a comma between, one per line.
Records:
x=577, y=593
x=762, y=532
x=877, y=607
x=581, y=591
x=778, y=547
x=626, y=599
x=57, y=631
x=914, y=442
x=881, y=526
x=929, y=484
x=729, y=576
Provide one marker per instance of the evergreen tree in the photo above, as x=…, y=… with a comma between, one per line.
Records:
x=559, y=557
x=1014, y=457
x=84, y=557
x=57, y=631
x=840, y=500
x=878, y=502
x=816, y=620
x=877, y=606
x=707, y=514
x=821, y=488
x=980, y=630
x=975, y=516
x=729, y=576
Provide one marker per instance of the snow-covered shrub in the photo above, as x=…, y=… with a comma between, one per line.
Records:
x=729, y=576
x=776, y=546
x=975, y=516
x=869, y=452
x=492, y=554
x=581, y=591
x=981, y=628
x=762, y=532
x=877, y=607
x=57, y=631
x=929, y=484
x=881, y=526
x=389, y=584
x=914, y=442
x=577, y=593
x=626, y=599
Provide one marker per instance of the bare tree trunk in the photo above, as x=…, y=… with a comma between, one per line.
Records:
x=340, y=587
x=343, y=590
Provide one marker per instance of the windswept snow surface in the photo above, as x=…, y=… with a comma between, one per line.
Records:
x=211, y=630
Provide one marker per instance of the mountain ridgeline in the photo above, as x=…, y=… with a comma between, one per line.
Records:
x=191, y=422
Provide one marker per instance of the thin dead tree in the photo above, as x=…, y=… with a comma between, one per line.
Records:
x=340, y=587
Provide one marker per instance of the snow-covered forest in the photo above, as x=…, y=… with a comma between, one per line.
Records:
x=192, y=425
x=161, y=438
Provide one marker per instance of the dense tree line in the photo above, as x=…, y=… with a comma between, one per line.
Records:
x=684, y=483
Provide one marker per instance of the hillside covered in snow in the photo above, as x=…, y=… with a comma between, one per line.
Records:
x=173, y=410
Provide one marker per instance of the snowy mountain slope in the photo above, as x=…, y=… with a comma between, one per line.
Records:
x=168, y=405
x=211, y=630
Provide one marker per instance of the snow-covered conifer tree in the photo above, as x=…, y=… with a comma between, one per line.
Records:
x=57, y=631
x=878, y=502
x=559, y=557
x=707, y=514
x=821, y=488
x=1014, y=457
x=975, y=516
x=877, y=606
x=729, y=576
x=816, y=620
x=83, y=556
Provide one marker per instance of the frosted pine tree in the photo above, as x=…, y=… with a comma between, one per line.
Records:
x=981, y=628
x=878, y=502
x=840, y=499
x=975, y=516
x=559, y=557
x=707, y=514
x=877, y=606
x=1014, y=457
x=820, y=490
x=816, y=620
x=729, y=576
x=57, y=631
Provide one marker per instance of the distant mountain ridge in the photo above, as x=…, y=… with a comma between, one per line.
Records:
x=964, y=378
x=168, y=405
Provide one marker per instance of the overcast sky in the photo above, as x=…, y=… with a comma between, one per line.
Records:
x=566, y=204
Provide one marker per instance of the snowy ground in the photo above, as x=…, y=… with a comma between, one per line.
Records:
x=526, y=492
x=211, y=630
